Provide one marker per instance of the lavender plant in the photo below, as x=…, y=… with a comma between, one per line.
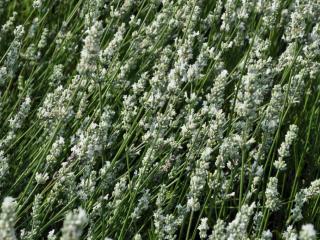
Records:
x=159, y=119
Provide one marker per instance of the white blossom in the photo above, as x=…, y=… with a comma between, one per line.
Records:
x=41, y=178
x=73, y=225
x=284, y=150
x=290, y=233
x=203, y=228
x=143, y=204
x=237, y=229
x=303, y=196
x=8, y=219
x=198, y=180
x=90, y=52
x=307, y=232
x=272, y=194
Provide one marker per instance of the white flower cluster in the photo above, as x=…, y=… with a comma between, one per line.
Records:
x=4, y=167
x=57, y=76
x=198, y=180
x=52, y=236
x=302, y=197
x=236, y=229
x=74, y=224
x=36, y=218
x=215, y=99
x=307, y=232
x=88, y=142
x=56, y=106
x=302, y=12
x=272, y=194
x=253, y=89
x=11, y=62
x=271, y=118
x=41, y=178
x=284, y=150
x=218, y=231
x=166, y=225
x=17, y=121
x=290, y=233
x=3, y=75
x=44, y=39
x=8, y=219
x=55, y=152
x=113, y=46
x=203, y=228
x=8, y=25
x=37, y=4
x=143, y=204
x=89, y=58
